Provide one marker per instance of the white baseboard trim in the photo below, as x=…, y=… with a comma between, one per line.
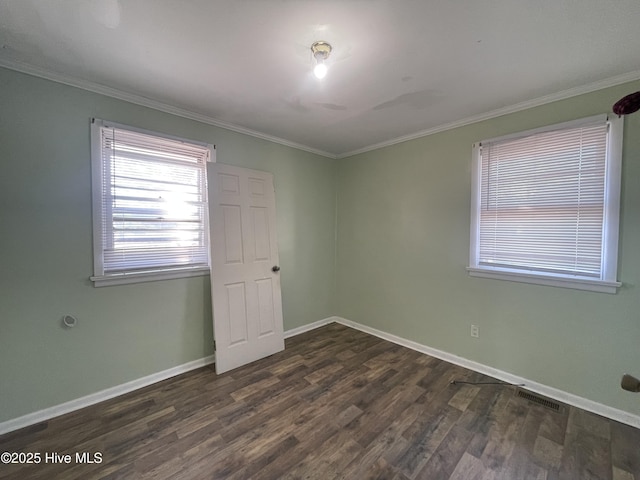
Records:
x=551, y=392
x=97, y=397
x=311, y=326
x=101, y=396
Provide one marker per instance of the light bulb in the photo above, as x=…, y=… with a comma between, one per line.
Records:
x=320, y=70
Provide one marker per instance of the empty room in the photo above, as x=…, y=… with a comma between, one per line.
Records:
x=363, y=239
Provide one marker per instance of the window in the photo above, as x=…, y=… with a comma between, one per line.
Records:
x=150, y=215
x=545, y=205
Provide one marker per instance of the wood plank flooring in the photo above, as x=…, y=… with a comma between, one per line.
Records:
x=337, y=403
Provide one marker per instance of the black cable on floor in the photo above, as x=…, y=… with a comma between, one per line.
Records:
x=459, y=382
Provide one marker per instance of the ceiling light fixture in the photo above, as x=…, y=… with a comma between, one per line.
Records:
x=321, y=51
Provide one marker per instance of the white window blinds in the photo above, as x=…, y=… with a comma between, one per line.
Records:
x=152, y=203
x=542, y=202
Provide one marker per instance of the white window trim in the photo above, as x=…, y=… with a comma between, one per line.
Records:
x=100, y=279
x=608, y=282
x=151, y=276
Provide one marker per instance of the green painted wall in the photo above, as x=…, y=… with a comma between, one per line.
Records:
x=403, y=239
x=402, y=247
x=124, y=332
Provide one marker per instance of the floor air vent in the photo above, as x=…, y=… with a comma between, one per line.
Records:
x=545, y=402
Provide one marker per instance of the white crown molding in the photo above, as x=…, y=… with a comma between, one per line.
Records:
x=545, y=390
x=536, y=102
x=163, y=107
x=150, y=103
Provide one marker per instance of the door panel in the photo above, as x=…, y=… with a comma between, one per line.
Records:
x=232, y=234
x=265, y=306
x=262, y=249
x=245, y=291
x=237, y=313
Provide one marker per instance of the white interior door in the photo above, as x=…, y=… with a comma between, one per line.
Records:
x=245, y=278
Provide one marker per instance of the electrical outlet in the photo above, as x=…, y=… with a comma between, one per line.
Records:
x=475, y=331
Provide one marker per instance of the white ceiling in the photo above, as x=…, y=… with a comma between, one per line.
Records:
x=398, y=68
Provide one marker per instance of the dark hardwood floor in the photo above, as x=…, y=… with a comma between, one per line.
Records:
x=337, y=403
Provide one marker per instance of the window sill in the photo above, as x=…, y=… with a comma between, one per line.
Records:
x=549, y=280
x=147, y=276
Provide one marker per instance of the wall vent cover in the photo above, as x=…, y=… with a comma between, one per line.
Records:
x=545, y=402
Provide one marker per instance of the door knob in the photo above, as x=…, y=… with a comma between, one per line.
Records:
x=275, y=268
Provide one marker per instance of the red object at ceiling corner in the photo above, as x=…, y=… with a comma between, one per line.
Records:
x=628, y=104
